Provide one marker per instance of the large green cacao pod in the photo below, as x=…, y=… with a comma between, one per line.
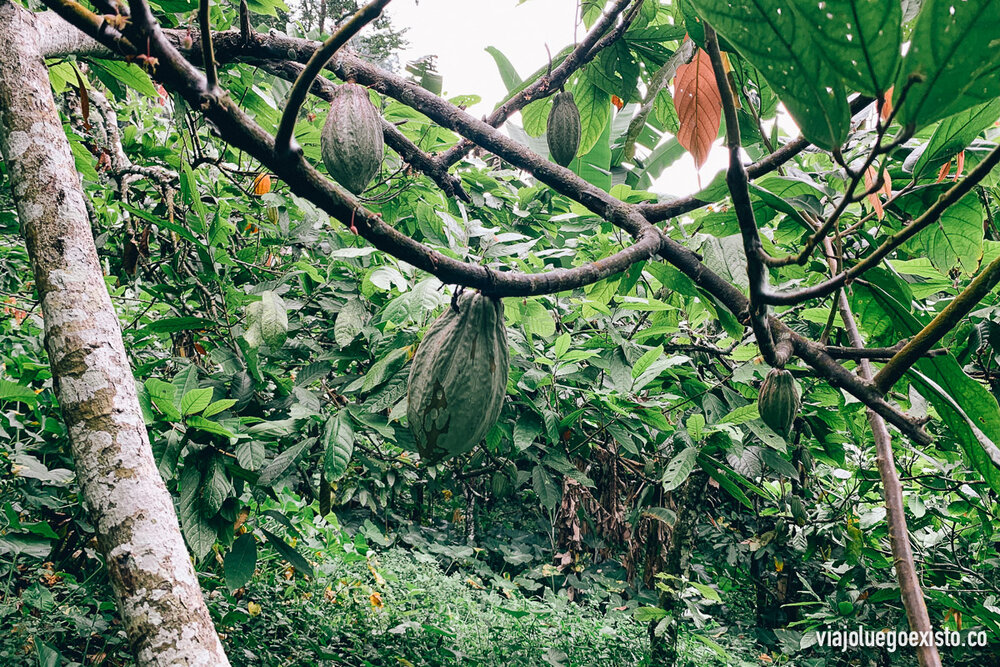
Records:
x=778, y=401
x=458, y=379
x=563, y=129
x=351, y=141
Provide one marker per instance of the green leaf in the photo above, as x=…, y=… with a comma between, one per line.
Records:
x=859, y=38
x=250, y=454
x=338, y=446
x=546, y=490
x=273, y=319
x=240, y=562
x=219, y=406
x=197, y=531
x=215, y=487
x=951, y=60
x=508, y=74
x=288, y=553
x=722, y=476
x=385, y=368
x=646, y=360
x=956, y=239
x=595, y=111
x=661, y=514
x=128, y=73
x=209, y=426
x=162, y=394
x=277, y=468
x=267, y=7
x=679, y=468
x=954, y=134
x=535, y=116
x=196, y=400
x=647, y=614
x=536, y=318
x=12, y=391
x=778, y=42
x=173, y=324
x=350, y=320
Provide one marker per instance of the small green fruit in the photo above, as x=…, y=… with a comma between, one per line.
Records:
x=778, y=401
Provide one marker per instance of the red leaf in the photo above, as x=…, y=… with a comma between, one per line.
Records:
x=698, y=105
x=944, y=171
x=887, y=106
x=871, y=174
x=959, y=165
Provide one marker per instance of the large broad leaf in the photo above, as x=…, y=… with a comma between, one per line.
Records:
x=595, y=111
x=953, y=135
x=778, y=42
x=952, y=60
x=511, y=79
x=240, y=561
x=956, y=239
x=860, y=39
x=338, y=446
x=698, y=106
x=288, y=553
x=967, y=400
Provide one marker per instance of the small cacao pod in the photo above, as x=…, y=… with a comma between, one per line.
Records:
x=458, y=379
x=351, y=141
x=778, y=401
x=562, y=131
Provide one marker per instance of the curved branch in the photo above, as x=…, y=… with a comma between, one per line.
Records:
x=737, y=180
x=397, y=141
x=945, y=321
x=318, y=61
x=593, y=43
x=929, y=217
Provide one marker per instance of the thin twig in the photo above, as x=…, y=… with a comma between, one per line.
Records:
x=322, y=55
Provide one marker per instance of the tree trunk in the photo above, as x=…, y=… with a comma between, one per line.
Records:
x=158, y=595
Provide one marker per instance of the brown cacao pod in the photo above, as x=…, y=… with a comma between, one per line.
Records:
x=458, y=379
x=562, y=131
x=778, y=401
x=351, y=141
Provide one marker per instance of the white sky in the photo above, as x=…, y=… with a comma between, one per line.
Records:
x=458, y=32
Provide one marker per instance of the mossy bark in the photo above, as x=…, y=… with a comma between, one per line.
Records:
x=158, y=595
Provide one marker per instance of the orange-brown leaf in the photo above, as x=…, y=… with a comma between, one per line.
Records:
x=959, y=165
x=618, y=102
x=871, y=175
x=698, y=105
x=944, y=171
x=887, y=106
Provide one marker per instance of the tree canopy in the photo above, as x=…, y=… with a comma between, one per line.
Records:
x=630, y=505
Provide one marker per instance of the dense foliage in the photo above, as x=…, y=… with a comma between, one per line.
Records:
x=630, y=483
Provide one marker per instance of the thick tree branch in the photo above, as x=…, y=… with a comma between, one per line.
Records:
x=283, y=140
x=593, y=43
x=737, y=180
x=929, y=217
x=945, y=321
